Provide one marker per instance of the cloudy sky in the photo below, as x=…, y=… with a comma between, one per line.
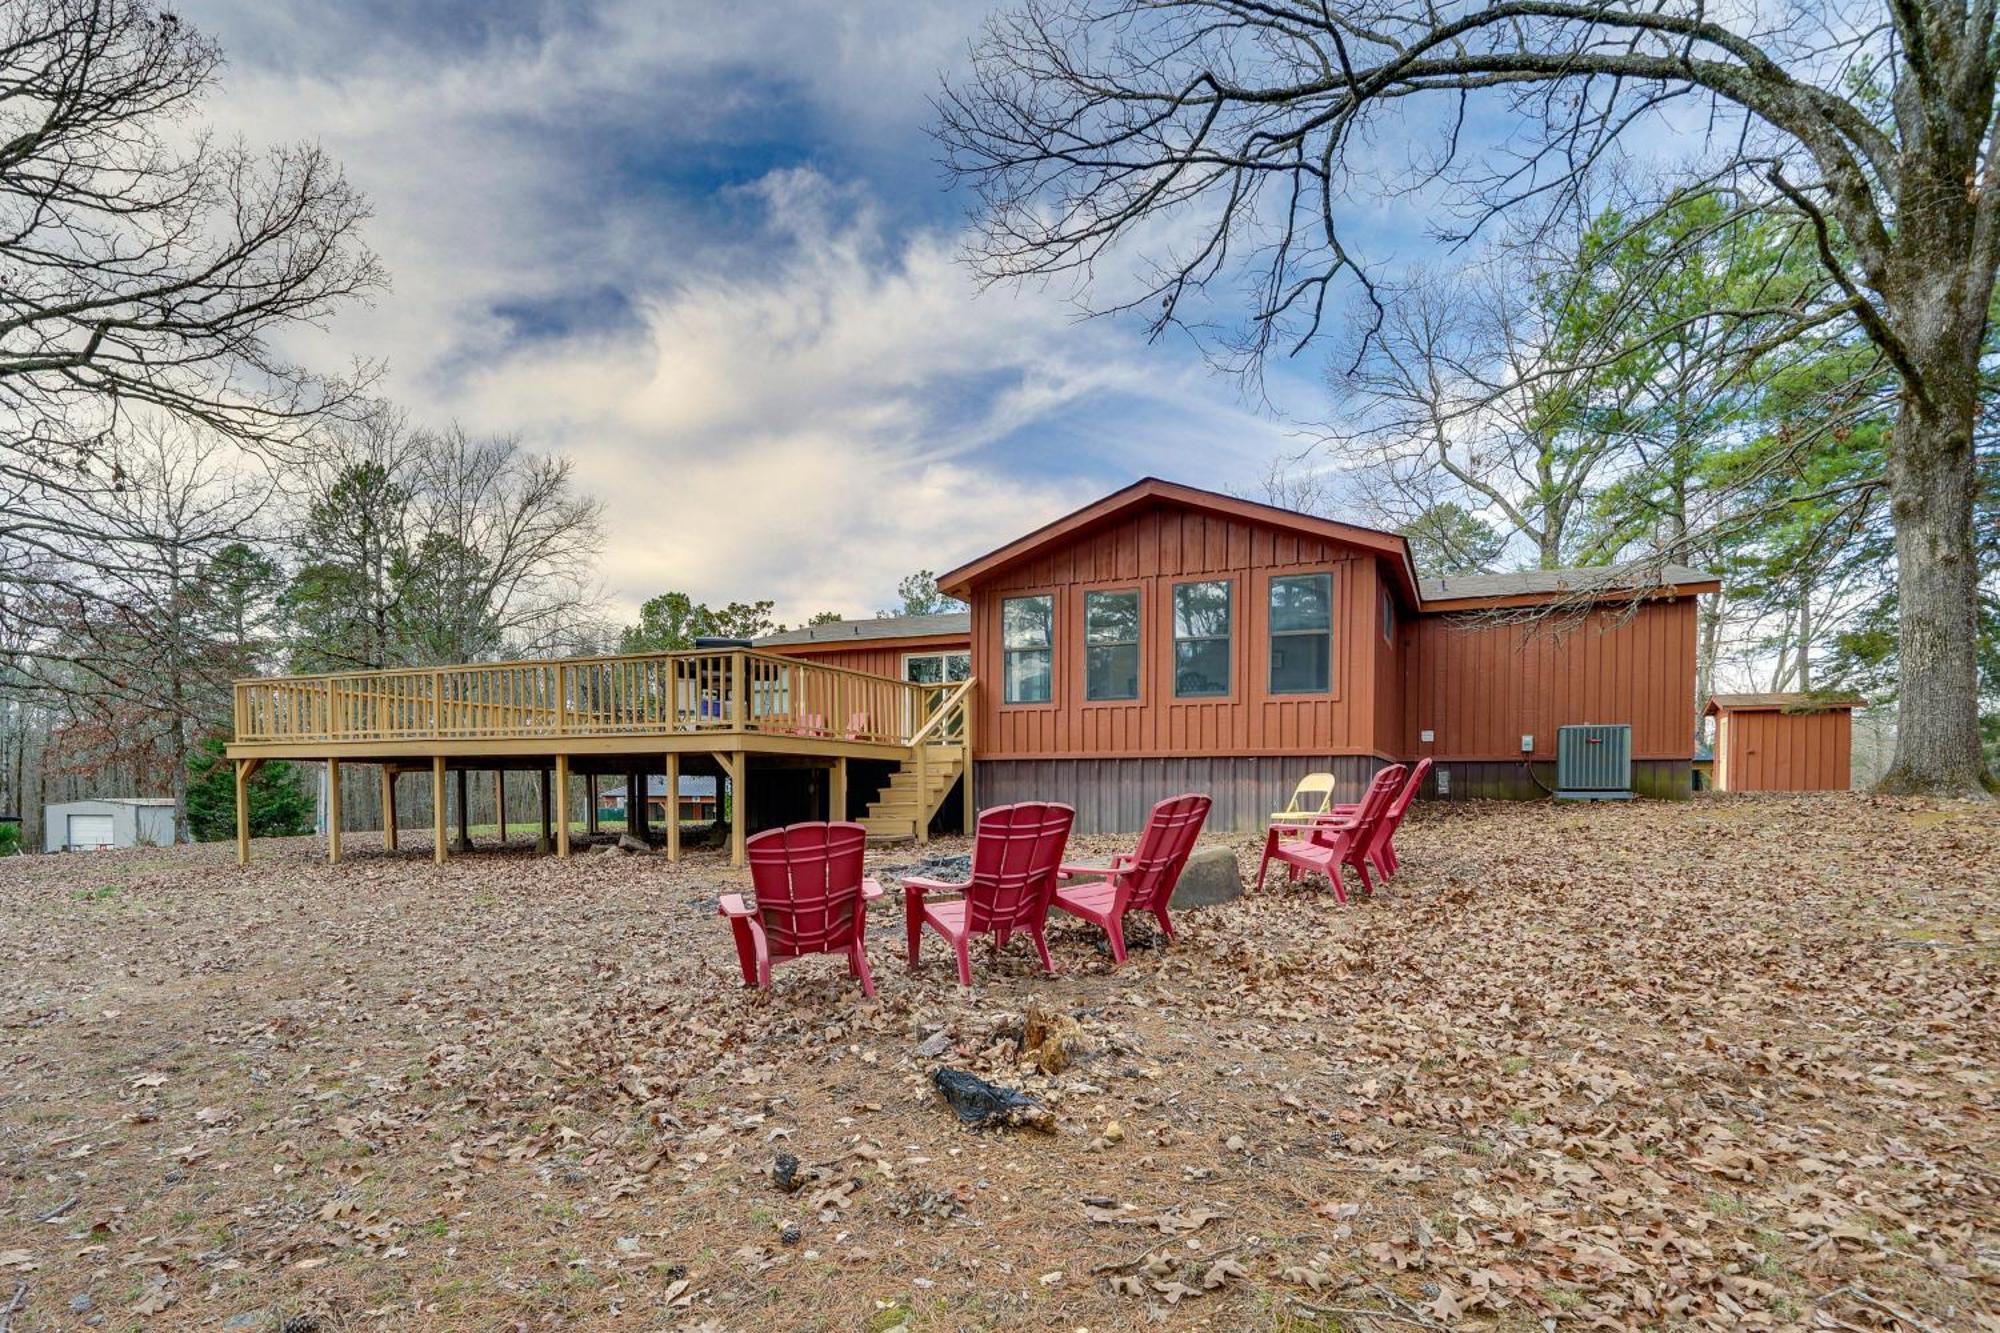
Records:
x=705, y=250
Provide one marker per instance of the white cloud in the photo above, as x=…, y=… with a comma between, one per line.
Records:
x=801, y=395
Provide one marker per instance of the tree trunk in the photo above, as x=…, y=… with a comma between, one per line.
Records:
x=1931, y=486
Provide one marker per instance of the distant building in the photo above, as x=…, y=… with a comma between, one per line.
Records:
x=1783, y=742
x=697, y=800
x=114, y=821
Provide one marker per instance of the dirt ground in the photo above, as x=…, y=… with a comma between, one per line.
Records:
x=1729, y=1063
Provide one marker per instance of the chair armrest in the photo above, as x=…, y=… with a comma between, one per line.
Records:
x=917, y=886
x=1068, y=872
x=871, y=889
x=732, y=906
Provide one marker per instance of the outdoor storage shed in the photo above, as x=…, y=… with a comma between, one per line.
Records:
x=1782, y=742
x=118, y=821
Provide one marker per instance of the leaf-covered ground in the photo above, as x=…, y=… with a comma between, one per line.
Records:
x=1730, y=1063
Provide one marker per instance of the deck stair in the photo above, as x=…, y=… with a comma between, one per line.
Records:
x=898, y=812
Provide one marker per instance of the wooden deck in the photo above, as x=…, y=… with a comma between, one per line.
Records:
x=713, y=709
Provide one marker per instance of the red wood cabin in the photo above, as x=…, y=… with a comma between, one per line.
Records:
x=1162, y=640
x=1168, y=639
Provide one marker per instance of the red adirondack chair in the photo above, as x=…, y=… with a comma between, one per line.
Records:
x=1332, y=841
x=1015, y=852
x=1142, y=880
x=811, y=898
x=1382, y=844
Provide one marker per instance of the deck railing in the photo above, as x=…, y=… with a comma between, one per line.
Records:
x=738, y=690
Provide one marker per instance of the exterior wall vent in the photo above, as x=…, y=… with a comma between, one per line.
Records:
x=1594, y=763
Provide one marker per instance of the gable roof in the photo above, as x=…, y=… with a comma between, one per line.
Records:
x=1148, y=490
x=954, y=623
x=1780, y=702
x=1462, y=591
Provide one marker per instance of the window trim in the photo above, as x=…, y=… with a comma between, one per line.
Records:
x=1084, y=593
x=1330, y=690
x=1175, y=640
x=1055, y=611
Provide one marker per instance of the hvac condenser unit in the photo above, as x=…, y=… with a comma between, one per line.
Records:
x=1594, y=763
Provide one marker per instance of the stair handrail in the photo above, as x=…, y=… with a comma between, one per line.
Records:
x=950, y=703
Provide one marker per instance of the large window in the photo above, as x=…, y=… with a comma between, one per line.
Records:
x=1111, y=645
x=1302, y=634
x=1201, y=639
x=1027, y=637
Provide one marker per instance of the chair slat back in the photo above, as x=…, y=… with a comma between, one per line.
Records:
x=807, y=879
x=1015, y=854
x=1171, y=830
x=1392, y=814
x=1375, y=802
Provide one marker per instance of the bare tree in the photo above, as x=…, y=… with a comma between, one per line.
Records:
x=417, y=547
x=1229, y=138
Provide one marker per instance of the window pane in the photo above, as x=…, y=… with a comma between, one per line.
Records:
x=1201, y=610
x=1028, y=677
x=1111, y=671
x=1302, y=601
x=1027, y=622
x=922, y=670
x=1201, y=667
x=1301, y=663
x=1111, y=617
x=957, y=667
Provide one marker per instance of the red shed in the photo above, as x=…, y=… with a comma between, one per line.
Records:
x=1783, y=742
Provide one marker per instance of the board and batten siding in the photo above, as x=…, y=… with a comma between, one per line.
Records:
x=1773, y=750
x=1479, y=686
x=877, y=659
x=1151, y=550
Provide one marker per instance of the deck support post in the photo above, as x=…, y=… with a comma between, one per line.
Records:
x=590, y=824
x=464, y=840
x=970, y=815
x=673, y=806
x=836, y=791
x=437, y=808
x=638, y=805
x=500, y=802
x=388, y=807
x=333, y=812
x=923, y=820
x=242, y=812
x=545, y=840
x=736, y=767
x=562, y=805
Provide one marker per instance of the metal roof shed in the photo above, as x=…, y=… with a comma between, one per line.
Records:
x=112, y=821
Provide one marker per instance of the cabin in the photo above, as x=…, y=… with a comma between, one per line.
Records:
x=697, y=803
x=1161, y=639
x=1783, y=742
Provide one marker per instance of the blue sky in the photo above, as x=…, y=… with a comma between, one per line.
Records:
x=705, y=250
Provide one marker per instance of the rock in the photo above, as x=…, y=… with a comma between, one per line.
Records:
x=1209, y=877
x=950, y=869
x=627, y=842
x=983, y=1105
x=931, y=1047
x=81, y=1304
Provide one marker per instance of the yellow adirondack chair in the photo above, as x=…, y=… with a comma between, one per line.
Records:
x=1312, y=798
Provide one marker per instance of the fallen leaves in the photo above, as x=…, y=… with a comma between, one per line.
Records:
x=1723, y=1064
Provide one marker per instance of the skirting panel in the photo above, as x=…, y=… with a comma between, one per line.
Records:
x=1660, y=779
x=1114, y=795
